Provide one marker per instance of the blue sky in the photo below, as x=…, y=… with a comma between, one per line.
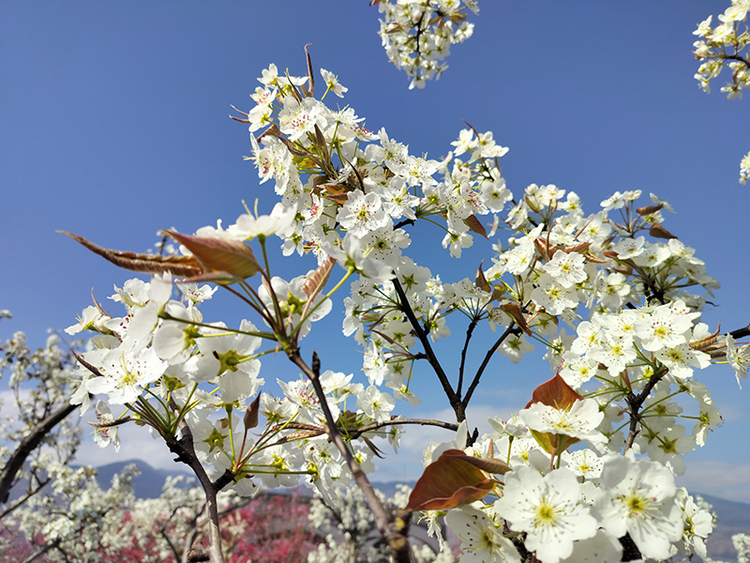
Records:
x=114, y=124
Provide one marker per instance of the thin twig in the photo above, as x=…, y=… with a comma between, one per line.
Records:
x=487, y=357
x=469, y=332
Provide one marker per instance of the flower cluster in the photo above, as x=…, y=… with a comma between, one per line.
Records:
x=577, y=508
x=726, y=45
x=165, y=365
x=745, y=168
x=38, y=392
x=417, y=34
x=79, y=516
x=742, y=545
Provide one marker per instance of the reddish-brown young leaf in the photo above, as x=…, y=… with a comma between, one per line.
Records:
x=337, y=193
x=475, y=225
x=581, y=247
x=178, y=266
x=316, y=281
x=555, y=393
x=310, y=73
x=594, y=258
x=480, y=282
x=320, y=141
x=272, y=131
x=657, y=231
x=515, y=311
x=543, y=248
x=704, y=343
x=297, y=151
x=449, y=482
x=648, y=209
x=233, y=257
x=250, y=420
x=553, y=443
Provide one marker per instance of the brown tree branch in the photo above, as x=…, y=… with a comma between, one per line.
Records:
x=635, y=402
x=737, y=58
x=393, y=530
x=740, y=332
x=21, y=500
x=453, y=398
x=185, y=450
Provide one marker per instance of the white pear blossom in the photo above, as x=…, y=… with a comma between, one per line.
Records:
x=549, y=509
x=639, y=499
x=482, y=539
x=580, y=421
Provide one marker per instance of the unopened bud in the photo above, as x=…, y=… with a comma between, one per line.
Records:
x=657, y=231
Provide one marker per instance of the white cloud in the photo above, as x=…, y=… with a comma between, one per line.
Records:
x=717, y=478
x=136, y=443
x=8, y=401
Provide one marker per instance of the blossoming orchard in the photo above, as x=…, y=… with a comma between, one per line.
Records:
x=604, y=290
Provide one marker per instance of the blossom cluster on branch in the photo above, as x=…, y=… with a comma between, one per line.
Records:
x=417, y=34
x=726, y=46
x=82, y=522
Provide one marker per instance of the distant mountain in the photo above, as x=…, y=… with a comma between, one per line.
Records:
x=147, y=485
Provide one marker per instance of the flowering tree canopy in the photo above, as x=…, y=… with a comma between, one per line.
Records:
x=614, y=298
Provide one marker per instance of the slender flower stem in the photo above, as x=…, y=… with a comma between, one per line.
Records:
x=260, y=309
x=259, y=333
x=354, y=433
x=279, y=322
x=185, y=408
